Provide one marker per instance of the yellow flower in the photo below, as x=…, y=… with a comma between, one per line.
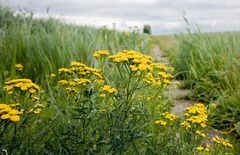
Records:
x=32, y=91
x=169, y=116
x=62, y=82
x=8, y=88
x=3, y=106
x=222, y=141
x=64, y=70
x=38, y=111
x=109, y=89
x=34, y=98
x=186, y=125
x=170, y=76
x=162, y=74
x=142, y=67
x=53, y=75
x=200, y=133
x=77, y=64
x=103, y=95
x=133, y=67
x=23, y=84
x=24, y=87
x=137, y=60
x=19, y=67
x=14, y=112
x=5, y=116
x=5, y=110
x=160, y=122
x=99, y=81
x=203, y=125
x=117, y=60
x=167, y=82
x=39, y=105
x=200, y=148
x=160, y=66
x=100, y=53
x=10, y=92
x=15, y=118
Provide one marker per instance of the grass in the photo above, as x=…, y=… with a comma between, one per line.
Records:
x=45, y=45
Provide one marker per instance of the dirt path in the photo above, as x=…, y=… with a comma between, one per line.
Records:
x=178, y=94
x=174, y=91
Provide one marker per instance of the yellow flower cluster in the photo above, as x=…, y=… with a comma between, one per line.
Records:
x=136, y=60
x=109, y=89
x=196, y=114
x=19, y=67
x=150, y=79
x=186, y=125
x=163, y=77
x=201, y=148
x=81, y=69
x=7, y=113
x=21, y=84
x=222, y=142
x=37, y=109
x=100, y=53
x=72, y=83
x=168, y=118
x=65, y=70
x=160, y=122
x=160, y=66
x=52, y=75
x=200, y=133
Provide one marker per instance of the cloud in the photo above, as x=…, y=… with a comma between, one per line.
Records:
x=165, y=16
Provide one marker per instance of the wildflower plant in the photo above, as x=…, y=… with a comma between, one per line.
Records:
x=93, y=93
x=187, y=134
x=22, y=109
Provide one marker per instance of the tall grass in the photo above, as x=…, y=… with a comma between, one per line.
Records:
x=43, y=45
x=210, y=65
x=209, y=62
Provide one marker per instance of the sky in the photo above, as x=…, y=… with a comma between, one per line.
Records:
x=164, y=16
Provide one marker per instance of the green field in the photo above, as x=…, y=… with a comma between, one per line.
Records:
x=68, y=89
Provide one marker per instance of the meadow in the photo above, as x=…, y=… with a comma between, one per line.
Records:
x=68, y=89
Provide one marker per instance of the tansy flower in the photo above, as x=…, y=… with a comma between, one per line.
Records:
x=200, y=148
x=142, y=67
x=15, y=118
x=53, y=75
x=100, y=53
x=109, y=89
x=160, y=122
x=7, y=113
x=19, y=67
x=200, y=133
x=22, y=84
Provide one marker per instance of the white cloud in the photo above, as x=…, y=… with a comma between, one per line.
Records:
x=165, y=16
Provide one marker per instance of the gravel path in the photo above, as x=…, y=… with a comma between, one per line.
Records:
x=174, y=91
x=178, y=94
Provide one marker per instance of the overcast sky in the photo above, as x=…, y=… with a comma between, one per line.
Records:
x=164, y=16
